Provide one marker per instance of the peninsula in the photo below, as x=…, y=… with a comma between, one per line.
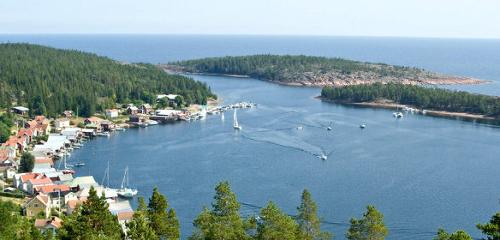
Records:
x=313, y=71
x=434, y=101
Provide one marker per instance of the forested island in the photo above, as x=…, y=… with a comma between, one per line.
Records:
x=313, y=71
x=417, y=96
x=49, y=81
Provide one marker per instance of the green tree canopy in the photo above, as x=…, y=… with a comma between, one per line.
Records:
x=15, y=226
x=91, y=221
x=491, y=229
x=308, y=220
x=370, y=227
x=223, y=221
x=27, y=162
x=276, y=225
x=458, y=235
x=163, y=220
x=139, y=227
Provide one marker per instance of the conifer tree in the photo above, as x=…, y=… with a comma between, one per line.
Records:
x=458, y=235
x=163, y=220
x=139, y=227
x=223, y=221
x=92, y=220
x=491, y=229
x=276, y=225
x=370, y=227
x=308, y=220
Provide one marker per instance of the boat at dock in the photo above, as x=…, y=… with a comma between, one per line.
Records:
x=79, y=164
x=103, y=134
x=125, y=191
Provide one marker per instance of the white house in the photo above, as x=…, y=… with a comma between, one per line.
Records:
x=112, y=113
x=61, y=123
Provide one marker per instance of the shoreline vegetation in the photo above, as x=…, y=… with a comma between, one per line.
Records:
x=425, y=100
x=308, y=71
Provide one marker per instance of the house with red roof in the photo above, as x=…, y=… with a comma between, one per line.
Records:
x=37, y=182
x=49, y=224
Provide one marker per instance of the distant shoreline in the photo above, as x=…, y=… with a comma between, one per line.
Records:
x=396, y=106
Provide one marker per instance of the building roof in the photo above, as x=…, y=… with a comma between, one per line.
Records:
x=20, y=108
x=83, y=182
x=44, y=199
x=40, y=181
x=26, y=177
x=120, y=207
x=39, y=160
x=94, y=119
x=52, y=188
x=74, y=203
x=53, y=221
x=125, y=216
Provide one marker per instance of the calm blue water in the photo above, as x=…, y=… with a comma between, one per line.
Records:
x=421, y=172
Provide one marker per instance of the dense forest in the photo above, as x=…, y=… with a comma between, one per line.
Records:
x=49, y=81
x=418, y=96
x=308, y=70
x=157, y=220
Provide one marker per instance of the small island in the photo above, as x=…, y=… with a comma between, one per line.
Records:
x=428, y=100
x=313, y=71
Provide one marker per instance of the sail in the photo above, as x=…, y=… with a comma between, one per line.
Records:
x=235, y=119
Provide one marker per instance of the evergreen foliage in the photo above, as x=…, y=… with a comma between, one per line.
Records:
x=163, y=220
x=27, y=162
x=15, y=226
x=223, y=221
x=49, y=81
x=491, y=229
x=458, y=235
x=308, y=220
x=276, y=225
x=91, y=221
x=290, y=68
x=418, y=96
x=139, y=227
x=370, y=227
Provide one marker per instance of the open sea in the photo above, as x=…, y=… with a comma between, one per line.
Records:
x=421, y=172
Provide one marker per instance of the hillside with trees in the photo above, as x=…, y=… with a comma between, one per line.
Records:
x=417, y=96
x=314, y=71
x=49, y=81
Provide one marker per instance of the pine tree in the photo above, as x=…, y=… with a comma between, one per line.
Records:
x=91, y=221
x=491, y=229
x=27, y=162
x=223, y=221
x=308, y=220
x=164, y=223
x=458, y=235
x=276, y=225
x=370, y=227
x=139, y=227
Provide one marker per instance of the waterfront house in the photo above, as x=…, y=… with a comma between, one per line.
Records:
x=93, y=120
x=20, y=110
x=38, y=204
x=123, y=211
x=68, y=114
x=83, y=182
x=107, y=126
x=61, y=123
x=146, y=109
x=50, y=224
x=132, y=110
x=112, y=113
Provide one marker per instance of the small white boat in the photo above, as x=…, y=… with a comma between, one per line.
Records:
x=120, y=129
x=362, y=126
x=125, y=191
x=104, y=134
x=79, y=164
x=300, y=128
x=152, y=122
x=323, y=156
x=397, y=114
x=236, y=125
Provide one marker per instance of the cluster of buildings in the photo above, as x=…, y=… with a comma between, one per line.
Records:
x=53, y=190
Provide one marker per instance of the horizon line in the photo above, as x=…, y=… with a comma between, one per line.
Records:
x=256, y=35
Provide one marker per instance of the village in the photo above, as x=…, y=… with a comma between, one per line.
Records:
x=49, y=188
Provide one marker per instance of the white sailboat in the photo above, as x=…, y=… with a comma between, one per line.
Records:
x=125, y=190
x=235, y=121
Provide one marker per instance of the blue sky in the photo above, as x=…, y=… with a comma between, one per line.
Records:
x=407, y=18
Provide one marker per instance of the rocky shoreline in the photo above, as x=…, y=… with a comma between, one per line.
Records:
x=339, y=80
